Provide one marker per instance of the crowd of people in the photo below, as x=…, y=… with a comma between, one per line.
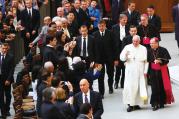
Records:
x=77, y=46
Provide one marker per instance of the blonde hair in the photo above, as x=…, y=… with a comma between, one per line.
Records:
x=60, y=94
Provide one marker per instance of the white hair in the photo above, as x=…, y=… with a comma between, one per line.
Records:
x=48, y=64
x=136, y=37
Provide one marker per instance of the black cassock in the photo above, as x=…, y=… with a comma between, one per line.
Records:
x=158, y=96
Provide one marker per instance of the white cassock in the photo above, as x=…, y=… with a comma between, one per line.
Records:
x=135, y=87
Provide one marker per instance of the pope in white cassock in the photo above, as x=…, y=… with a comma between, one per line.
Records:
x=135, y=88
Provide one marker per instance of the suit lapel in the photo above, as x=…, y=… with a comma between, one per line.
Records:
x=80, y=98
x=91, y=98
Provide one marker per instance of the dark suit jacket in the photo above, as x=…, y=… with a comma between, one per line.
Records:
x=90, y=47
x=156, y=21
x=117, y=8
x=81, y=17
x=175, y=12
x=104, y=47
x=7, y=68
x=134, y=18
x=50, y=54
x=118, y=41
x=95, y=101
x=82, y=116
x=30, y=23
x=126, y=41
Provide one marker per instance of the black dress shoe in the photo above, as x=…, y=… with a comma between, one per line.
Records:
x=155, y=108
x=3, y=117
x=162, y=106
x=130, y=109
x=8, y=114
x=116, y=86
x=110, y=91
x=137, y=107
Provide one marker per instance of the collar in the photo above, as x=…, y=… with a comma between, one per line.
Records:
x=49, y=45
x=88, y=93
x=129, y=11
x=122, y=26
x=84, y=37
x=102, y=32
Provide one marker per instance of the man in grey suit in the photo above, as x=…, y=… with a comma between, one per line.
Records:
x=176, y=21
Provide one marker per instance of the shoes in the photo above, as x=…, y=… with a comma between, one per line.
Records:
x=102, y=96
x=161, y=106
x=110, y=91
x=155, y=108
x=137, y=107
x=130, y=109
x=3, y=117
x=116, y=85
x=8, y=114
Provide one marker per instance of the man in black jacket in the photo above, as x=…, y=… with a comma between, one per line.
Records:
x=6, y=79
x=84, y=46
x=120, y=30
x=105, y=51
x=30, y=20
x=154, y=19
x=132, y=14
x=88, y=96
x=80, y=15
x=49, y=53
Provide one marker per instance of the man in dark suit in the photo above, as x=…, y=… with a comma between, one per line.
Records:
x=81, y=16
x=6, y=79
x=49, y=53
x=120, y=30
x=117, y=8
x=132, y=14
x=105, y=55
x=84, y=46
x=30, y=20
x=128, y=39
x=154, y=19
x=88, y=96
x=176, y=21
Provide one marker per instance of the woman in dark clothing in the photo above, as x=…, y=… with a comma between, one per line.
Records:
x=64, y=104
x=62, y=39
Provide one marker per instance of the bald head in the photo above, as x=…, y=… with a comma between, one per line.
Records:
x=84, y=85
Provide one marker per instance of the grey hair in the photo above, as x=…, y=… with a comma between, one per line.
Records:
x=122, y=16
x=47, y=93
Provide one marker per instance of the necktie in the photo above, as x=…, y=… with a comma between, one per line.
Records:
x=86, y=99
x=84, y=47
x=30, y=13
x=102, y=34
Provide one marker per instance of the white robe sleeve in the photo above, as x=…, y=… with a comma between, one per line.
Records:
x=123, y=54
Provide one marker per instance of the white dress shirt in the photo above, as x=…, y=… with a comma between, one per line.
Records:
x=122, y=32
x=102, y=32
x=29, y=10
x=88, y=96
